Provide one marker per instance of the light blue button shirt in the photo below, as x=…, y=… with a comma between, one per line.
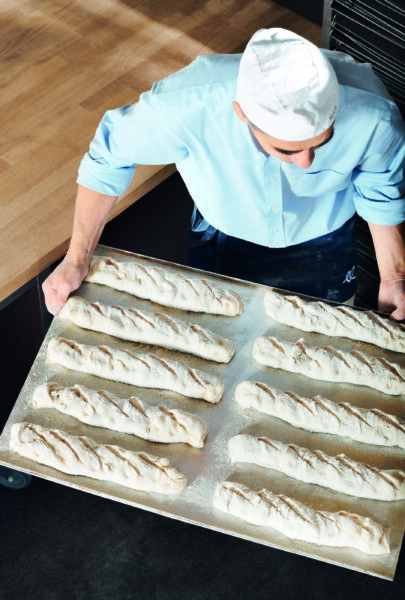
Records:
x=188, y=119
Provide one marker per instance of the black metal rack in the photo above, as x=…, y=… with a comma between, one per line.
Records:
x=370, y=31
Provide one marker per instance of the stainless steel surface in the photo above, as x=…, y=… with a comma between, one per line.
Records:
x=208, y=466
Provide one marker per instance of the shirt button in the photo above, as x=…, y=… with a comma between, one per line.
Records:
x=275, y=231
x=274, y=208
x=272, y=179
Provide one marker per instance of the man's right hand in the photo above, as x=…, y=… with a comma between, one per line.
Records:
x=66, y=278
x=91, y=213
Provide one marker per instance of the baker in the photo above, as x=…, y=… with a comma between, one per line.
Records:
x=280, y=148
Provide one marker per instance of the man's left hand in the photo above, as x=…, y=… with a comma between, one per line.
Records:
x=391, y=298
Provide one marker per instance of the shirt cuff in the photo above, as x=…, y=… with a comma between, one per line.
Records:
x=390, y=212
x=103, y=179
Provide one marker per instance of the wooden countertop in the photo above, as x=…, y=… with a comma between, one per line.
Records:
x=62, y=65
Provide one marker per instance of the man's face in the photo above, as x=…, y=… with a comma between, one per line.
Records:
x=300, y=153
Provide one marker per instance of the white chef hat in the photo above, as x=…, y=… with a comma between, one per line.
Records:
x=286, y=86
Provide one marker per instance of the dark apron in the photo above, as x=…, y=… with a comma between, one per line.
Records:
x=324, y=267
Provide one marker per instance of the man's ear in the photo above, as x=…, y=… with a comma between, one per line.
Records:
x=237, y=108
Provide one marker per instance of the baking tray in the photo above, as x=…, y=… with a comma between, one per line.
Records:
x=206, y=467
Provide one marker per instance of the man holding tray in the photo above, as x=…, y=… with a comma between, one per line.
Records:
x=280, y=148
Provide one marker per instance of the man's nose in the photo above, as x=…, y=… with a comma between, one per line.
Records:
x=304, y=159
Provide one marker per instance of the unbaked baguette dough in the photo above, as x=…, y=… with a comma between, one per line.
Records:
x=367, y=425
x=298, y=521
x=80, y=455
x=330, y=364
x=339, y=473
x=165, y=286
x=143, y=370
x=103, y=409
x=150, y=328
x=341, y=321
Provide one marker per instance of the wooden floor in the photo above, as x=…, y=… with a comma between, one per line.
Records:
x=62, y=64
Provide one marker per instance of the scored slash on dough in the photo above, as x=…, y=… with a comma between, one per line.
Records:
x=132, y=416
x=330, y=364
x=301, y=522
x=143, y=370
x=165, y=286
x=80, y=455
x=369, y=426
x=339, y=473
x=339, y=321
x=147, y=327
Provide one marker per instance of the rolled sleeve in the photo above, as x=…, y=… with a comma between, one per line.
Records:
x=379, y=184
x=96, y=176
x=133, y=134
x=390, y=212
